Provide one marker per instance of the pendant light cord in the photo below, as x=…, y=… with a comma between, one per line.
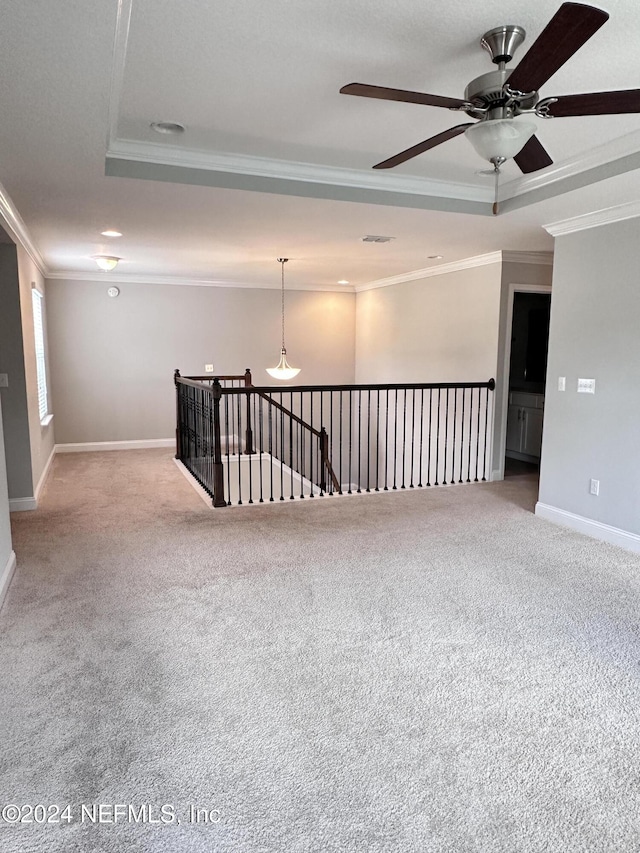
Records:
x=283, y=261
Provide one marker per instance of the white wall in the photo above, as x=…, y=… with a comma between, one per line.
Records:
x=595, y=322
x=41, y=438
x=112, y=360
x=438, y=329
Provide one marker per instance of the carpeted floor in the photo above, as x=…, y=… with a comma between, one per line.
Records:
x=434, y=671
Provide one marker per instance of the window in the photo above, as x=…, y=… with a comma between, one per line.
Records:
x=41, y=368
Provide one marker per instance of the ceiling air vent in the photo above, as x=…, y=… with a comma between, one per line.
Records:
x=374, y=238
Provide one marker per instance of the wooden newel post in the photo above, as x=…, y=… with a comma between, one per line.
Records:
x=218, y=471
x=176, y=376
x=248, y=436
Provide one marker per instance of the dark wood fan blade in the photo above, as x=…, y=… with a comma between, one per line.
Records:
x=366, y=91
x=423, y=146
x=571, y=27
x=533, y=156
x=597, y=104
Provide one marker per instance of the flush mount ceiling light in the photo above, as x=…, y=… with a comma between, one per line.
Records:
x=167, y=127
x=343, y=281
x=106, y=262
x=283, y=371
x=111, y=233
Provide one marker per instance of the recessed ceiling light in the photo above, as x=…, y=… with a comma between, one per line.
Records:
x=343, y=281
x=167, y=127
x=375, y=238
x=435, y=257
x=111, y=233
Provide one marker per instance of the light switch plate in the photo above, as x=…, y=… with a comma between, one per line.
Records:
x=4, y=380
x=586, y=386
x=562, y=383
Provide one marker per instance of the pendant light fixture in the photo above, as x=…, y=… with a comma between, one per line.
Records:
x=283, y=371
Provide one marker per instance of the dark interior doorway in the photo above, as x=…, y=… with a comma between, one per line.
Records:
x=527, y=373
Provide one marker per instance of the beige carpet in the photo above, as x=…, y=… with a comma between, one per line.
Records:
x=435, y=671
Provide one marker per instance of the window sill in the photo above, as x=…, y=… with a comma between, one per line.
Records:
x=46, y=420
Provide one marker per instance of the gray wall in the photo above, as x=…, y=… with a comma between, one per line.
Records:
x=5, y=528
x=112, y=360
x=12, y=362
x=595, y=323
x=438, y=329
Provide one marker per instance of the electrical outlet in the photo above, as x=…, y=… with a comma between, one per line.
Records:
x=208, y=368
x=594, y=489
x=586, y=386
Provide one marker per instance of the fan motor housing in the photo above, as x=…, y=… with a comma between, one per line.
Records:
x=487, y=91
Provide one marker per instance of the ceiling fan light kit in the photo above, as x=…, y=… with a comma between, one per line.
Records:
x=499, y=98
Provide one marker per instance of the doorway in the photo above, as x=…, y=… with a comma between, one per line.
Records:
x=529, y=344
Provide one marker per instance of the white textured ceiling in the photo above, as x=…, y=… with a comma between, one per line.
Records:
x=261, y=80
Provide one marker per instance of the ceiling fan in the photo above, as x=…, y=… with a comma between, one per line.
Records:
x=497, y=99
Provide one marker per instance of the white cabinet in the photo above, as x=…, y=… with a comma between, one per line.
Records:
x=524, y=425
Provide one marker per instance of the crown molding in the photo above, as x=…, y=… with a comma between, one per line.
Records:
x=540, y=258
x=503, y=256
x=606, y=216
x=440, y=269
x=262, y=167
x=17, y=229
x=109, y=278
x=601, y=155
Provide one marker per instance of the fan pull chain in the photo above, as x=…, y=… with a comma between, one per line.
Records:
x=495, y=202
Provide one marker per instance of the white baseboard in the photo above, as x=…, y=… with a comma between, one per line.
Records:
x=91, y=446
x=22, y=504
x=44, y=475
x=7, y=574
x=604, y=532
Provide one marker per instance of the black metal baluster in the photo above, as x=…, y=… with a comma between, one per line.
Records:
x=301, y=456
x=446, y=436
x=270, y=428
x=238, y=446
x=260, y=413
x=421, y=435
x=312, y=446
x=340, y=440
x=413, y=432
x=378, y=441
x=359, y=489
x=291, y=442
x=226, y=426
x=386, y=445
x=368, y=439
x=429, y=438
x=470, y=439
x=404, y=436
x=395, y=439
x=478, y=438
x=486, y=427
x=453, y=453
x=438, y=440
x=282, y=457
x=464, y=392
x=350, y=431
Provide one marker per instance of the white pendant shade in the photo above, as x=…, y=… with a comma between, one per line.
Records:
x=500, y=139
x=283, y=371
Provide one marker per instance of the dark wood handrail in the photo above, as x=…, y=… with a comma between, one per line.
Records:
x=286, y=411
